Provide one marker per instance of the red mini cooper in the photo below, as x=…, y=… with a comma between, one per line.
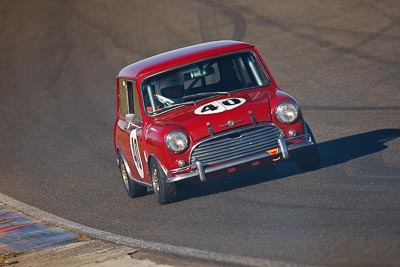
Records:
x=202, y=112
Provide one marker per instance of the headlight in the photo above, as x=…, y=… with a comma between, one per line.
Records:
x=177, y=141
x=287, y=112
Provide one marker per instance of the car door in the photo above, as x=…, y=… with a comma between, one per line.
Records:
x=130, y=130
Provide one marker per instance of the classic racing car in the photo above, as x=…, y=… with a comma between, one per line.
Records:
x=203, y=112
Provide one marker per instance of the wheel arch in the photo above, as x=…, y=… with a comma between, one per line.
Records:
x=151, y=157
x=128, y=169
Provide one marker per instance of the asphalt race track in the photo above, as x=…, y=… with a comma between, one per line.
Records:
x=340, y=59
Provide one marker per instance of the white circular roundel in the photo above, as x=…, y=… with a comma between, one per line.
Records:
x=219, y=106
x=136, y=153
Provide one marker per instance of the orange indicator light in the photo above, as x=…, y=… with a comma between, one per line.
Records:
x=273, y=151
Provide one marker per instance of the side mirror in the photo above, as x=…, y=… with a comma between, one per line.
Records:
x=132, y=121
x=130, y=118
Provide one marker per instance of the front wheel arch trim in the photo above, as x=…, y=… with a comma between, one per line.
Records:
x=128, y=169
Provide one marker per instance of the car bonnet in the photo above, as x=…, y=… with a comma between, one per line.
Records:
x=215, y=115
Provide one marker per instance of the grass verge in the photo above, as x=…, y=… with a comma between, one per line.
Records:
x=8, y=255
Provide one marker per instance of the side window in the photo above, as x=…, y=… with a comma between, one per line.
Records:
x=130, y=87
x=128, y=99
x=123, y=97
x=134, y=105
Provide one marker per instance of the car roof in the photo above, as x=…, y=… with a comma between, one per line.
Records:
x=179, y=57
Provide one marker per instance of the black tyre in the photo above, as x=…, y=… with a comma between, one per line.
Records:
x=163, y=191
x=308, y=159
x=132, y=188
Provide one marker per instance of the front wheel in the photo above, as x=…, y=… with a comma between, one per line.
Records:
x=308, y=159
x=163, y=191
x=132, y=188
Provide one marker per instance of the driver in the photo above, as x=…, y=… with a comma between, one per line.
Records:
x=172, y=91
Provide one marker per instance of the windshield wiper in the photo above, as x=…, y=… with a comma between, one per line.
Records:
x=179, y=104
x=169, y=106
x=206, y=94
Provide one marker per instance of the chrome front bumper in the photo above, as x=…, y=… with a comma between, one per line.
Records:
x=200, y=170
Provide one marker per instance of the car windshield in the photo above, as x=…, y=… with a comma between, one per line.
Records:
x=204, y=79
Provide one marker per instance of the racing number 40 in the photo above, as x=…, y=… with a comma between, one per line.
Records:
x=219, y=106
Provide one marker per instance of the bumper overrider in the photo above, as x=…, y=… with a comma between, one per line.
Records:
x=283, y=149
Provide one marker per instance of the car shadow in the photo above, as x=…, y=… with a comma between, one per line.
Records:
x=341, y=150
x=332, y=152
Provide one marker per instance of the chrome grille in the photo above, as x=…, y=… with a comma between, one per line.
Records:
x=236, y=144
